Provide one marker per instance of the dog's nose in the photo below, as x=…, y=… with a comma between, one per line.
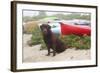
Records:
x=44, y=30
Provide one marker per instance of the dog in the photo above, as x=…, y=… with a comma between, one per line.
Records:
x=51, y=41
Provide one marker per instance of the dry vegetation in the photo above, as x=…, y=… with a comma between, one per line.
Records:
x=30, y=26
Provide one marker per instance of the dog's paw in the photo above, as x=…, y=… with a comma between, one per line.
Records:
x=47, y=54
x=54, y=55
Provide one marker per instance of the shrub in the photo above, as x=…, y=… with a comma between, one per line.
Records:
x=36, y=36
x=72, y=41
x=30, y=26
x=43, y=46
x=78, y=42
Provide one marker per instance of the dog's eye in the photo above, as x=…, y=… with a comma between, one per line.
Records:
x=49, y=27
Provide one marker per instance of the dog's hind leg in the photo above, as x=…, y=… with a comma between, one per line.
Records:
x=54, y=50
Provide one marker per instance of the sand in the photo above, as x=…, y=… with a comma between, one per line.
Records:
x=34, y=54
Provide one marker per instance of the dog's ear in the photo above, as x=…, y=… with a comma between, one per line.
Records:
x=49, y=26
x=40, y=26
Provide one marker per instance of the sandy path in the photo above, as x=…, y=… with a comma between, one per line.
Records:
x=34, y=54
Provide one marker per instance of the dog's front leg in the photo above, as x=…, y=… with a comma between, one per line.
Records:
x=48, y=50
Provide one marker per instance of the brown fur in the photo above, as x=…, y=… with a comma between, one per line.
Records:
x=51, y=41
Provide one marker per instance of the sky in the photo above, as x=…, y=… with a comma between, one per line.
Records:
x=30, y=13
x=35, y=13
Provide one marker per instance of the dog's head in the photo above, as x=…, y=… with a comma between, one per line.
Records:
x=45, y=28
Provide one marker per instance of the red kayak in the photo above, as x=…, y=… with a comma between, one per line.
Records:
x=80, y=30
